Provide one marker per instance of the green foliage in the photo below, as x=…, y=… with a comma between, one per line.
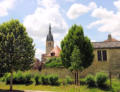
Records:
x=68, y=80
x=37, y=79
x=101, y=79
x=49, y=80
x=45, y=80
x=76, y=59
x=16, y=47
x=28, y=78
x=18, y=78
x=53, y=80
x=53, y=62
x=90, y=81
x=75, y=37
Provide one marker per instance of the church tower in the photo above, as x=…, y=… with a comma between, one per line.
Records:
x=49, y=41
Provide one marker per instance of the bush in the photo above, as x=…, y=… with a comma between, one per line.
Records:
x=90, y=81
x=27, y=77
x=53, y=80
x=37, y=79
x=44, y=80
x=19, y=78
x=68, y=80
x=101, y=79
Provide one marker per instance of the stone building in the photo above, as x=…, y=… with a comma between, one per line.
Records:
x=106, y=57
x=51, y=51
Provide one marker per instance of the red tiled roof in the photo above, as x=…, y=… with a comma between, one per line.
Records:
x=110, y=39
x=56, y=51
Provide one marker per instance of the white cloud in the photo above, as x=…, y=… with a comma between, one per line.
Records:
x=70, y=0
x=93, y=40
x=47, y=12
x=38, y=53
x=117, y=4
x=37, y=24
x=77, y=10
x=5, y=6
x=107, y=21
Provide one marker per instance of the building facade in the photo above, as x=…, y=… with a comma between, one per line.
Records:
x=106, y=57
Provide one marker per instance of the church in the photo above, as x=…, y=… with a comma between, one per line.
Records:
x=51, y=51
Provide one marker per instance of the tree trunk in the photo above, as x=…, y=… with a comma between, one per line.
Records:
x=78, y=77
x=110, y=77
x=75, y=78
x=11, y=82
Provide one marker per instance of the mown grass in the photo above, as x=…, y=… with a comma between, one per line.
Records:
x=62, y=73
x=67, y=88
x=63, y=88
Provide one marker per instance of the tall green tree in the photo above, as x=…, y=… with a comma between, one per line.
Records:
x=16, y=48
x=75, y=37
x=76, y=62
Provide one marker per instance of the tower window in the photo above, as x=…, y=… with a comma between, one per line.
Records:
x=102, y=55
x=53, y=54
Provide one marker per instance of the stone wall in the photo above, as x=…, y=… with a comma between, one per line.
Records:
x=115, y=61
x=49, y=46
x=112, y=63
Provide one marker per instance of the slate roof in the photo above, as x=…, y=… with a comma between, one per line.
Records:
x=49, y=36
x=104, y=45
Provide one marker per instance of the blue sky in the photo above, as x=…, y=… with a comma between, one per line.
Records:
x=98, y=18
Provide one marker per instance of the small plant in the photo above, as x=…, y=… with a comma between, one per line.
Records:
x=68, y=80
x=101, y=79
x=37, y=79
x=53, y=80
x=90, y=81
x=45, y=80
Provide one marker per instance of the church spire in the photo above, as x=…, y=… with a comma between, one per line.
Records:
x=49, y=28
x=49, y=36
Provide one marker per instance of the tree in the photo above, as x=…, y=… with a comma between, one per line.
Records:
x=76, y=62
x=16, y=48
x=75, y=37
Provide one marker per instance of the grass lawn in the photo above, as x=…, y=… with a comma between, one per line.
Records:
x=68, y=88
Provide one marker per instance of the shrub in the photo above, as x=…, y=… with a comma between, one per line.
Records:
x=53, y=80
x=37, y=79
x=27, y=77
x=90, y=81
x=19, y=78
x=68, y=80
x=101, y=78
x=44, y=80
x=7, y=78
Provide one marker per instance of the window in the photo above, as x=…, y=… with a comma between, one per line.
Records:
x=102, y=55
x=52, y=54
x=99, y=56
